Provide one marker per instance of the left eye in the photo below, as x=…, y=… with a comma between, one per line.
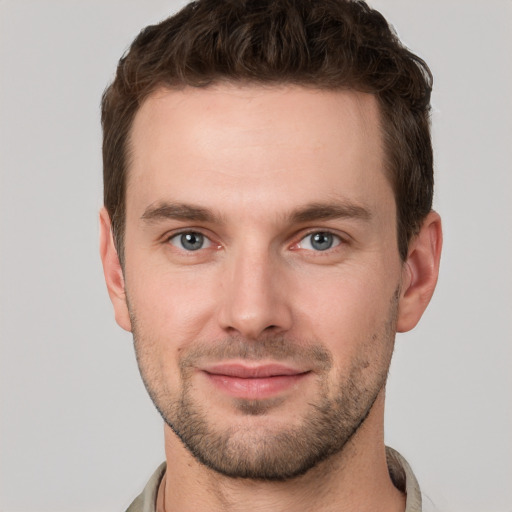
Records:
x=319, y=241
x=190, y=241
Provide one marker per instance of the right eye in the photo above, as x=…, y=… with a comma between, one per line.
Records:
x=190, y=241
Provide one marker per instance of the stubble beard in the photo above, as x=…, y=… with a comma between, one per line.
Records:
x=264, y=453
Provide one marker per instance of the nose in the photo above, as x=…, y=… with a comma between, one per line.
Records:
x=254, y=295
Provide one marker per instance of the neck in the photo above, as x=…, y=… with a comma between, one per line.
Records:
x=357, y=478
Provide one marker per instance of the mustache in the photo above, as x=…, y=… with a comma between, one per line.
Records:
x=275, y=348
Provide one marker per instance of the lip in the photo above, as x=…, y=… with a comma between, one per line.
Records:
x=254, y=382
x=244, y=371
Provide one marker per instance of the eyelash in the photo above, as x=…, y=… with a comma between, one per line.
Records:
x=177, y=236
x=337, y=240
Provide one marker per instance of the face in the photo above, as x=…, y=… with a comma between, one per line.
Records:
x=262, y=272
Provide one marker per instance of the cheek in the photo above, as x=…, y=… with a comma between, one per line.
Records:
x=344, y=310
x=174, y=306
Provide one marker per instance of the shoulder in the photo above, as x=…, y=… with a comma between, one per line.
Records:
x=146, y=500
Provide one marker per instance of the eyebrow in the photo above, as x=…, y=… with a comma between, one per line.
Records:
x=311, y=212
x=342, y=209
x=177, y=211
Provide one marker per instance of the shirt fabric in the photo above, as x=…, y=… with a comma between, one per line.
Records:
x=401, y=474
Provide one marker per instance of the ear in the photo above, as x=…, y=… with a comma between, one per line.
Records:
x=420, y=272
x=113, y=272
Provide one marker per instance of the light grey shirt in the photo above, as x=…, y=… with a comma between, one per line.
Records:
x=399, y=470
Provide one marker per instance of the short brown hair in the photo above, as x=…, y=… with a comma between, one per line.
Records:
x=325, y=44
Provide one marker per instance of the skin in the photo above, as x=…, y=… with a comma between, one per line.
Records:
x=256, y=159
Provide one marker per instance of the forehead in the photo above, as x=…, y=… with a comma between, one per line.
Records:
x=287, y=143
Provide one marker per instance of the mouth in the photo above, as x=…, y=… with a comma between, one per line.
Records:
x=254, y=382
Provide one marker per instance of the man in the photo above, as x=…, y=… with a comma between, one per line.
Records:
x=267, y=230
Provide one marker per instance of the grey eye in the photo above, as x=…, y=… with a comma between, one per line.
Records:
x=320, y=241
x=190, y=241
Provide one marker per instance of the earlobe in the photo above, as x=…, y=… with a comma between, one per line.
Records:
x=420, y=272
x=113, y=272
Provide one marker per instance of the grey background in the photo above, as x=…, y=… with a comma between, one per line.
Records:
x=77, y=430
